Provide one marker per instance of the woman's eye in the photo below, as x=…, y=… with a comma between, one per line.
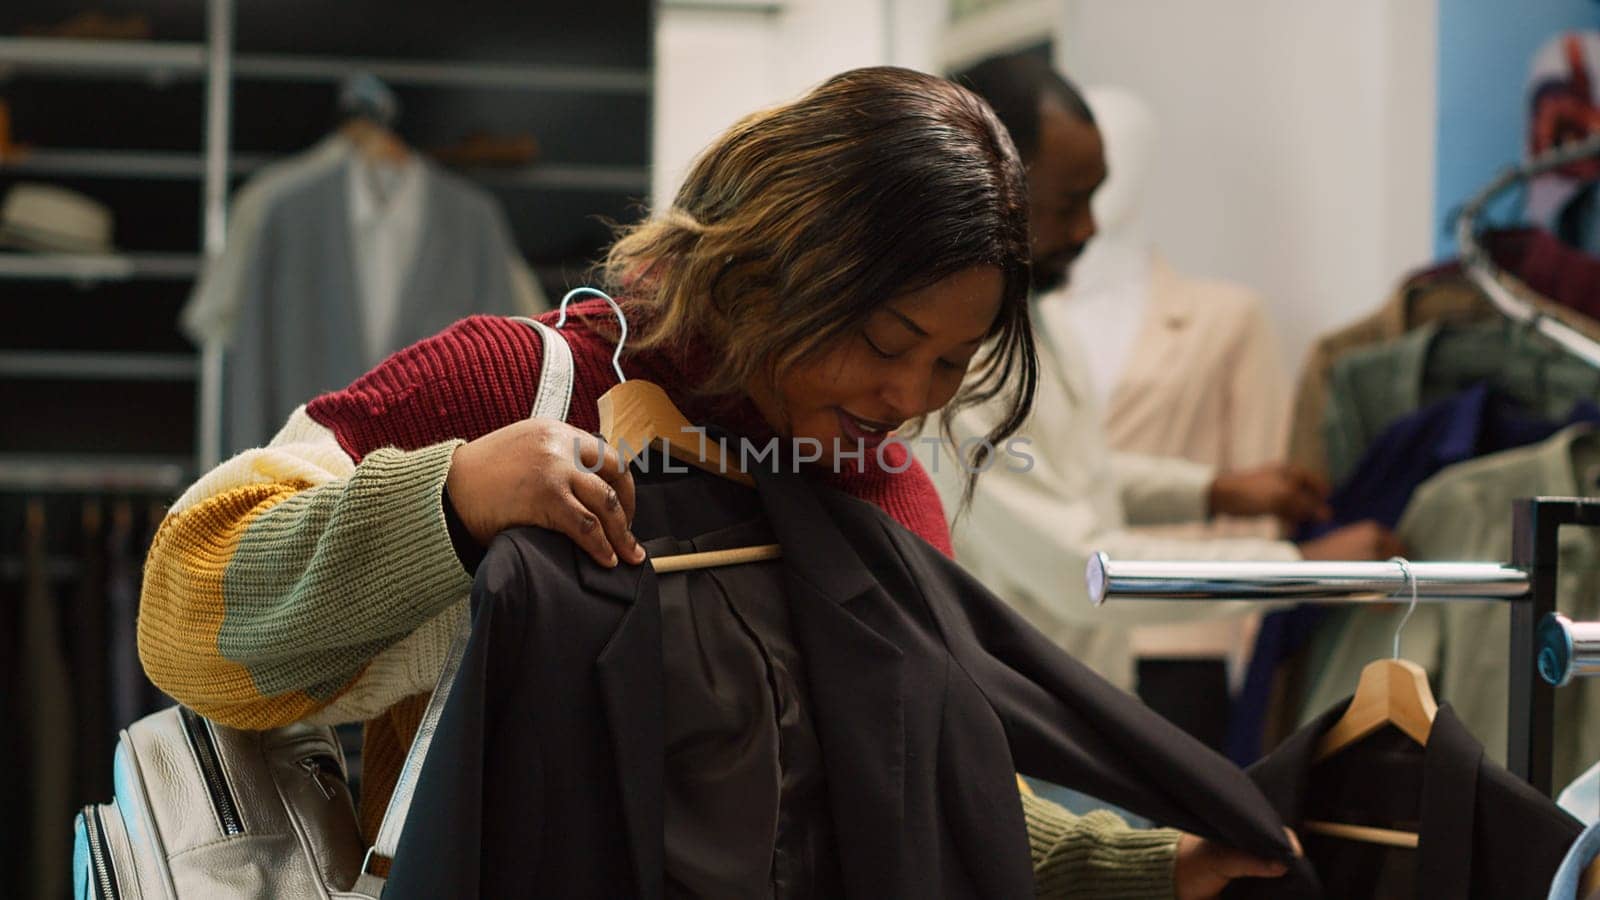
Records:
x=879, y=351
x=952, y=366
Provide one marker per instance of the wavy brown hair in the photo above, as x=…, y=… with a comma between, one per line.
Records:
x=795, y=224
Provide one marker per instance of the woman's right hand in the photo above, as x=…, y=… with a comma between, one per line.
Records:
x=545, y=472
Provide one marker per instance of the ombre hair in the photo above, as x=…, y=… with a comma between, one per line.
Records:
x=799, y=221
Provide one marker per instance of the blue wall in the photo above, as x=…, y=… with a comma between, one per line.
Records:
x=1484, y=50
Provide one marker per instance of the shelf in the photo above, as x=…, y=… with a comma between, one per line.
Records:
x=80, y=163
x=21, y=472
x=149, y=164
x=98, y=267
x=754, y=7
x=163, y=60
x=94, y=58
x=98, y=366
x=566, y=178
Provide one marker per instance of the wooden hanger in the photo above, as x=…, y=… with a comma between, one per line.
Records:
x=375, y=142
x=636, y=415
x=1392, y=692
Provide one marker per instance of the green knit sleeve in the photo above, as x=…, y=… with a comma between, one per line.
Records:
x=1096, y=855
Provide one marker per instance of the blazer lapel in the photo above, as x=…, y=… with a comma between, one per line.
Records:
x=1168, y=316
x=629, y=671
x=1449, y=799
x=857, y=684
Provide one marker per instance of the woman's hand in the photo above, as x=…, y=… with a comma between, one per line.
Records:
x=547, y=473
x=1204, y=868
x=1288, y=492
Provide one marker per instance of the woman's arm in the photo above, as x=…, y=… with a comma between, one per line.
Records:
x=1096, y=855
x=283, y=575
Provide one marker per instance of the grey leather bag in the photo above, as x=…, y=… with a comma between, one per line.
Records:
x=205, y=811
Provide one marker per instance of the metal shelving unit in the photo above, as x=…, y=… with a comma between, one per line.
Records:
x=168, y=60
x=175, y=166
x=98, y=366
x=141, y=164
x=214, y=62
x=62, y=57
x=98, y=267
x=28, y=473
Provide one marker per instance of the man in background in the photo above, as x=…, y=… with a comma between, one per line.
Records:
x=1029, y=534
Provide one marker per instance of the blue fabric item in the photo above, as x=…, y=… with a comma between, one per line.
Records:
x=1472, y=423
x=1565, y=885
x=1581, y=798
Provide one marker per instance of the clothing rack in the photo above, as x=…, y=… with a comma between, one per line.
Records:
x=1527, y=583
x=1324, y=582
x=1568, y=649
x=1482, y=270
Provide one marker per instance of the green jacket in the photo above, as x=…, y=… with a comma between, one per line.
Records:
x=1372, y=387
x=1464, y=513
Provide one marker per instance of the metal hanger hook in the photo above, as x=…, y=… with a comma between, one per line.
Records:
x=1411, y=579
x=616, y=358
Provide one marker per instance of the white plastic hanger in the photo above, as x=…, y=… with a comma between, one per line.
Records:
x=636, y=415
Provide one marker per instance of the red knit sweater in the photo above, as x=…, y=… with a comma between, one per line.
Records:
x=481, y=374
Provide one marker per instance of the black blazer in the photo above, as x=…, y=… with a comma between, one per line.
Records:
x=927, y=693
x=1484, y=833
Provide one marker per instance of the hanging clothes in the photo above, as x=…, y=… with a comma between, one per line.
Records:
x=1474, y=423
x=89, y=649
x=1581, y=798
x=922, y=801
x=1463, y=513
x=212, y=311
x=1185, y=368
x=1031, y=528
x=1373, y=387
x=1440, y=295
x=744, y=795
x=387, y=210
x=1554, y=269
x=1204, y=380
x=1484, y=833
x=124, y=555
x=299, y=296
x=48, y=717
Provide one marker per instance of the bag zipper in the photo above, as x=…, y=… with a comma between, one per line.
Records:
x=105, y=877
x=204, y=746
x=313, y=767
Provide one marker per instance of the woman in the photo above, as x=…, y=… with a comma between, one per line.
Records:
x=829, y=270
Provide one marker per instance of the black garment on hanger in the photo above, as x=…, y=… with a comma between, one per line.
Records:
x=1485, y=834
x=746, y=800
x=927, y=693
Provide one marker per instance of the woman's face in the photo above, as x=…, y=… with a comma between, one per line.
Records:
x=907, y=360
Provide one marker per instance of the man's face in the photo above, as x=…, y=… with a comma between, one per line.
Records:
x=1063, y=176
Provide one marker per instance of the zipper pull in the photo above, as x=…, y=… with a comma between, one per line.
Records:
x=314, y=769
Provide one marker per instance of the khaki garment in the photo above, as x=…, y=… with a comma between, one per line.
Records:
x=1444, y=296
x=1205, y=382
x=1056, y=494
x=1464, y=513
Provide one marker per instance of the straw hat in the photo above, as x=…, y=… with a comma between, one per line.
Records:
x=51, y=219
